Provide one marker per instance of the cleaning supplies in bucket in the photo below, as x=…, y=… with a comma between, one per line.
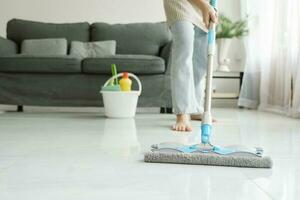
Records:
x=113, y=84
x=125, y=82
x=121, y=103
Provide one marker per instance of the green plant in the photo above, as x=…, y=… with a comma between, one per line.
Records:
x=229, y=29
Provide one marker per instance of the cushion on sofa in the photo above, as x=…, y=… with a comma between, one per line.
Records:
x=135, y=38
x=137, y=64
x=30, y=64
x=83, y=50
x=45, y=47
x=7, y=47
x=19, y=30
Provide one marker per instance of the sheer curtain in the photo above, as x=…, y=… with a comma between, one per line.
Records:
x=272, y=71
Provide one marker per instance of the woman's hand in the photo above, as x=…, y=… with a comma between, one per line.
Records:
x=209, y=13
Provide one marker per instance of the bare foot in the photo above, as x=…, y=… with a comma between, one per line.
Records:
x=182, y=123
x=198, y=117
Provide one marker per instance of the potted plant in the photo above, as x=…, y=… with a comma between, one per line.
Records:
x=226, y=31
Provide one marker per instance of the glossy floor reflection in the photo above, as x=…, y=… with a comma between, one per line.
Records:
x=61, y=156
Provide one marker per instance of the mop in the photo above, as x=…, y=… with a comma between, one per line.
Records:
x=206, y=153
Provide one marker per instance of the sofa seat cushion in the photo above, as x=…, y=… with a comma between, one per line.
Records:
x=30, y=64
x=137, y=64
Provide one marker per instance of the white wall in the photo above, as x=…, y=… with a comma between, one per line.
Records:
x=113, y=11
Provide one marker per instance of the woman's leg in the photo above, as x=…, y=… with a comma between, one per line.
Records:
x=200, y=67
x=182, y=77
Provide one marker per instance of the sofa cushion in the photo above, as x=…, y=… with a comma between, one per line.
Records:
x=83, y=50
x=19, y=30
x=29, y=64
x=137, y=64
x=45, y=47
x=7, y=47
x=135, y=38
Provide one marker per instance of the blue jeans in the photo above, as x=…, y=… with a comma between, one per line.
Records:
x=188, y=66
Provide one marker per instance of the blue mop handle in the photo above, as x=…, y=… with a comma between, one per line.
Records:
x=214, y=3
x=207, y=119
x=212, y=30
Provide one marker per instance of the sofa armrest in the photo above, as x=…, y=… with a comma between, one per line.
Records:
x=165, y=54
x=7, y=47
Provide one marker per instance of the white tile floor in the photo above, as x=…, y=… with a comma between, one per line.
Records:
x=82, y=155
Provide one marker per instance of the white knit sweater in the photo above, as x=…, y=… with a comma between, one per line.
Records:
x=177, y=10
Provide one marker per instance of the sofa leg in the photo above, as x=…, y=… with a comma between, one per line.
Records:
x=169, y=110
x=20, y=109
x=162, y=110
x=166, y=110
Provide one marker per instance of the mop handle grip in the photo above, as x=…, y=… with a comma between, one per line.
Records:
x=212, y=31
x=214, y=3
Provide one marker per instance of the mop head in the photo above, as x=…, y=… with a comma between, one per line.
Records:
x=237, y=159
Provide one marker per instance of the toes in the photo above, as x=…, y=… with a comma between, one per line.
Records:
x=174, y=127
x=182, y=128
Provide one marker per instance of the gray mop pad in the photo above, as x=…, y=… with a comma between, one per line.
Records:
x=197, y=158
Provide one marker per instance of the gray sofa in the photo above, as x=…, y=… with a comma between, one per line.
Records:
x=142, y=48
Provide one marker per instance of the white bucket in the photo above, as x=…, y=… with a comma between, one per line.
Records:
x=119, y=104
